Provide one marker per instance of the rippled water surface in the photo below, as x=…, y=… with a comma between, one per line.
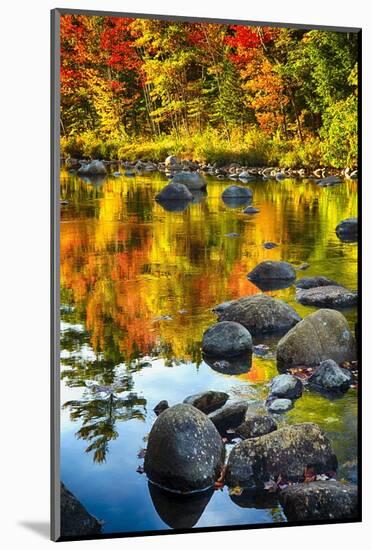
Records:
x=137, y=286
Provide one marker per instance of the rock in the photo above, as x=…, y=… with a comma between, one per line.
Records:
x=320, y=500
x=269, y=270
x=286, y=452
x=72, y=163
x=330, y=180
x=256, y=425
x=161, y=407
x=255, y=498
x=322, y=335
x=313, y=282
x=174, y=192
x=278, y=406
x=75, y=519
x=330, y=378
x=236, y=191
x=251, y=210
x=260, y=314
x=93, y=168
x=230, y=416
x=192, y=180
x=268, y=245
x=207, y=401
x=287, y=386
x=246, y=176
x=185, y=451
x=172, y=162
x=335, y=297
x=226, y=339
x=347, y=230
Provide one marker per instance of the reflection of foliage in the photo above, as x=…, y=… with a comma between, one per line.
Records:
x=100, y=410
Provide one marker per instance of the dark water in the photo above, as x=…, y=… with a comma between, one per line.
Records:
x=137, y=286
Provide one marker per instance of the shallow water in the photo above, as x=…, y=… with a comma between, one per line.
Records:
x=137, y=287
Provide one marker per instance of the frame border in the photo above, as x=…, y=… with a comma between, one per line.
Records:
x=55, y=523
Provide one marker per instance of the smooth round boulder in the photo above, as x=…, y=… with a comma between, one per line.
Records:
x=174, y=192
x=316, y=281
x=185, y=452
x=93, y=168
x=236, y=191
x=256, y=425
x=320, y=500
x=324, y=334
x=278, y=406
x=272, y=270
x=335, y=297
x=207, y=401
x=193, y=180
x=330, y=378
x=347, y=230
x=229, y=416
x=286, y=452
x=286, y=386
x=226, y=339
x=260, y=314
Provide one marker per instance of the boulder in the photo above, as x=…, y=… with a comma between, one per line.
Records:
x=335, y=297
x=330, y=378
x=269, y=270
x=347, y=230
x=251, y=210
x=185, y=451
x=330, y=180
x=172, y=162
x=322, y=335
x=193, y=180
x=286, y=452
x=174, y=192
x=230, y=416
x=256, y=425
x=226, y=339
x=236, y=191
x=278, y=406
x=260, y=314
x=207, y=401
x=161, y=407
x=93, y=168
x=316, y=281
x=286, y=386
x=320, y=500
x=75, y=519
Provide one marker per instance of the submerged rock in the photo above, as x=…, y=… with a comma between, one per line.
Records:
x=207, y=401
x=320, y=500
x=226, y=339
x=271, y=270
x=286, y=386
x=256, y=425
x=229, y=416
x=192, y=180
x=260, y=314
x=93, y=168
x=161, y=407
x=347, y=230
x=278, y=405
x=286, y=452
x=75, y=519
x=316, y=281
x=322, y=335
x=174, y=192
x=327, y=296
x=185, y=451
x=330, y=378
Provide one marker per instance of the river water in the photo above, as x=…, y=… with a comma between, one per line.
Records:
x=137, y=286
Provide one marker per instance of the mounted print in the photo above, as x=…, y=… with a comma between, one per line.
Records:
x=205, y=201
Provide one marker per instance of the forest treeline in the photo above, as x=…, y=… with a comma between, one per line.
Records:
x=141, y=88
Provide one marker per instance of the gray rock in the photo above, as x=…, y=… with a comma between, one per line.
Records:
x=330, y=378
x=172, y=162
x=320, y=500
x=313, y=282
x=161, y=407
x=93, y=168
x=278, y=406
x=335, y=297
x=236, y=191
x=330, y=180
x=347, y=230
x=256, y=425
x=268, y=245
x=174, y=192
x=185, y=451
x=251, y=210
x=207, y=401
x=287, y=386
x=322, y=335
x=260, y=314
x=226, y=339
x=230, y=416
x=193, y=180
x=287, y=451
x=75, y=519
x=269, y=269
